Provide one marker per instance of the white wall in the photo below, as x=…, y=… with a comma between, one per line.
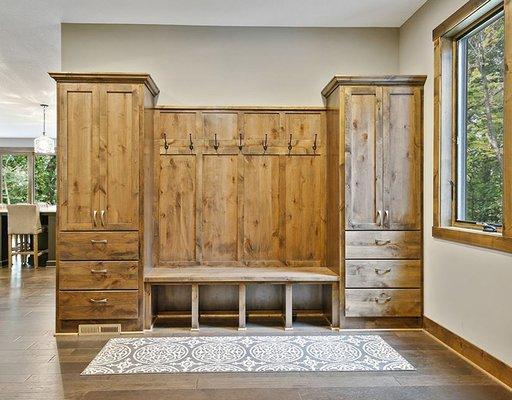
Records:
x=467, y=289
x=232, y=65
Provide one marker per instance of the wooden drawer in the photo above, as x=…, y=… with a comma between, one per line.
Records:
x=382, y=302
x=80, y=275
x=98, y=246
x=114, y=304
x=383, y=244
x=383, y=273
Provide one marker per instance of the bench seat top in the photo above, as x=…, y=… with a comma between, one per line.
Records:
x=214, y=274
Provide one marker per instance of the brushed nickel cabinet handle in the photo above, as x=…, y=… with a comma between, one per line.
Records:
x=102, y=217
x=386, y=216
x=382, y=299
x=380, y=271
x=99, y=301
x=99, y=271
x=379, y=217
x=103, y=241
x=94, y=215
x=379, y=242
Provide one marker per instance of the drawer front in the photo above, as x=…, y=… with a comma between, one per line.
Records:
x=80, y=275
x=383, y=273
x=383, y=244
x=118, y=304
x=98, y=246
x=383, y=302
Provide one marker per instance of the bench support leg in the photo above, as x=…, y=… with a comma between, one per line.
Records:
x=335, y=307
x=195, y=307
x=241, y=307
x=148, y=306
x=288, y=307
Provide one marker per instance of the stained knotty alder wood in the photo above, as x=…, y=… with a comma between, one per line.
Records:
x=97, y=305
x=239, y=274
x=445, y=131
x=383, y=273
x=383, y=302
x=80, y=275
x=99, y=246
x=383, y=244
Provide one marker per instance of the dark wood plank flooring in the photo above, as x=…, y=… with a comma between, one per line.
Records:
x=36, y=365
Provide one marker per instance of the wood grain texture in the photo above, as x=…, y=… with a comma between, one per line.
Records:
x=91, y=275
x=98, y=305
x=98, y=246
x=484, y=360
x=383, y=273
x=383, y=244
x=383, y=302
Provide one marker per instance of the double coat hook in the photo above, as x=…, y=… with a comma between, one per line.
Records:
x=191, y=145
x=215, y=142
x=290, y=146
x=240, y=142
x=166, y=145
x=265, y=144
x=314, y=144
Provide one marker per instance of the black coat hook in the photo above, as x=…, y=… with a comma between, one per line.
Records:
x=290, y=147
x=166, y=145
x=240, y=142
x=215, y=143
x=265, y=143
x=314, y=144
x=191, y=145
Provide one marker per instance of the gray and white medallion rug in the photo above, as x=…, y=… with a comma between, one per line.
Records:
x=246, y=354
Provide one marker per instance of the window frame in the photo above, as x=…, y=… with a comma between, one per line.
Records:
x=31, y=157
x=446, y=118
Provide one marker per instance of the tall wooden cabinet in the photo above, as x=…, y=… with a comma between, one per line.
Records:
x=101, y=141
x=374, y=211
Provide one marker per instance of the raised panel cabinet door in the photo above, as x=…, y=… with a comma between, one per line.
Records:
x=180, y=128
x=78, y=156
x=121, y=109
x=363, y=158
x=402, y=155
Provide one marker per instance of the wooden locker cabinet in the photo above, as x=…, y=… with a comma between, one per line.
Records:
x=99, y=184
x=101, y=148
x=375, y=140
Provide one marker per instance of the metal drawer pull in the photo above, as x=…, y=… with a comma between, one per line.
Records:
x=94, y=221
x=99, y=301
x=102, y=217
x=379, y=242
x=103, y=241
x=99, y=271
x=379, y=217
x=386, y=216
x=379, y=271
x=383, y=299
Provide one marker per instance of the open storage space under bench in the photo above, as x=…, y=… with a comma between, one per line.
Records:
x=199, y=276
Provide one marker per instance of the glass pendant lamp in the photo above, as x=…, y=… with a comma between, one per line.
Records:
x=44, y=144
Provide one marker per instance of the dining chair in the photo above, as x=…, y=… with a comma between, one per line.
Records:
x=23, y=220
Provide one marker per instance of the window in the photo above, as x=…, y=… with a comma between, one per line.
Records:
x=45, y=179
x=15, y=187
x=472, y=201
x=480, y=84
x=27, y=177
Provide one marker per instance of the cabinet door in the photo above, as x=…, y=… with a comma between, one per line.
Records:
x=402, y=144
x=363, y=158
x=78, y=153
x=121, y=109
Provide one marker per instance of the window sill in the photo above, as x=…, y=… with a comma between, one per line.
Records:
x=489, y=240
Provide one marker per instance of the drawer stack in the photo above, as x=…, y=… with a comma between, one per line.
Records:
x=98, y=276
x=383, y=274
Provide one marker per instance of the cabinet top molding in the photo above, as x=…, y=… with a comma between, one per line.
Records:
x=383, y=80
x=107, y=77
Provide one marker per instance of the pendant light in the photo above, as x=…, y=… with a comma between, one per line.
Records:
x=44, y=144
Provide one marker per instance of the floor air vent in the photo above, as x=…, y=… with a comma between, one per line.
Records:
x=98, y=329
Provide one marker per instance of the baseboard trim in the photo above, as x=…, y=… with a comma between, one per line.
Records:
x=490, y=364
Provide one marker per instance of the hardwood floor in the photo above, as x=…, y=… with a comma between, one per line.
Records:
x=36, y=365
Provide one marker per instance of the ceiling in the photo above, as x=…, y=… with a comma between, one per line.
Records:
x=30, y=36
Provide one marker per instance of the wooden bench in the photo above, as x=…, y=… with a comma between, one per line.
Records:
x=241, y=276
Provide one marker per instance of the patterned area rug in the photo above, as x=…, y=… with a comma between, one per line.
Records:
x=246, y=354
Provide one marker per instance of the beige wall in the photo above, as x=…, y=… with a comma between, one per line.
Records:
x=467, y=289
x=230, y=65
